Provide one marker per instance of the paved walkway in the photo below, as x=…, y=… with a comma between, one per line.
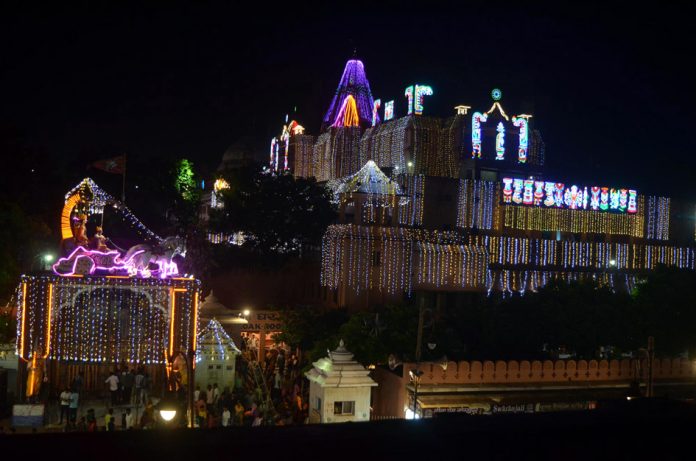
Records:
x=100, y=407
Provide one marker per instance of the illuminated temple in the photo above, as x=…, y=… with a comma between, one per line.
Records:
x=462, y=204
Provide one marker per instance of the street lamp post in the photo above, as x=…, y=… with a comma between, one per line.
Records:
x=415, y=377
x=416, y=373
x=46, y=260
x=189, y=392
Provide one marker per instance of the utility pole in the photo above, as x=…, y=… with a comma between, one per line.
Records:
x=419, y=339
x=416, y=373
x=651, y=357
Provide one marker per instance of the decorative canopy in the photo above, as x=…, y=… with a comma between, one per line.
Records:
x=215, y=343
x=353, y=83
x=369, y=180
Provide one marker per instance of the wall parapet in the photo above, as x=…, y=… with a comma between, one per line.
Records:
x=548, y=371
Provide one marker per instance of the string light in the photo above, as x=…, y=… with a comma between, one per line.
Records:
x=575, y=221
x=75, y=203
x=657, y=218
x=104, y=319
x=475, y=204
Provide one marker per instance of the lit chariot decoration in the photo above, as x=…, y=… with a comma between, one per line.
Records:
x=85, y=256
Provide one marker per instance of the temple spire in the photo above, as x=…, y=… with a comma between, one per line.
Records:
x=353, y=83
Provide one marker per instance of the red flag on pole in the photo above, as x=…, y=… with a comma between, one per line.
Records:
x=115, y=165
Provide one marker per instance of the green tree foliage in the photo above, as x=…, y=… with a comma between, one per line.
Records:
x=277, y=214
x=371, y=336
x=8, y=328
x=579, y=317
x=665, y=307
x=24, y=239
x=187, y=200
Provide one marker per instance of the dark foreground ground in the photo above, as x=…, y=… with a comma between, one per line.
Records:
x=655, y=430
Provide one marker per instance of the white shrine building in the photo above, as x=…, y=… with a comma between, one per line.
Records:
x=339, y=389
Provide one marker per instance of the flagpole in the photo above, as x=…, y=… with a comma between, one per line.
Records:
x=123, y=187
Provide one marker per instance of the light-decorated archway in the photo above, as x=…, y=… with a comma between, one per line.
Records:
x=110, y=319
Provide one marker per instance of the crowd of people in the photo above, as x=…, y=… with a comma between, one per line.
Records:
x=270, y=391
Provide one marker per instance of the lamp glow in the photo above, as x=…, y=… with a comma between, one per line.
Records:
x=167, y=415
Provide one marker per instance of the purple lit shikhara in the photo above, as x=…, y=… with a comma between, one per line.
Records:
x=354, y=83
x=141, y=260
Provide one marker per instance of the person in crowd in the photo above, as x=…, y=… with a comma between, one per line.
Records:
x=109, y=420
x=74, y=403
x=44, y=390
x=226, y=415
x=113, y=381
x=196, y=393
x=280, y=362
x=148, y=419
x=147, y=385
x=216, y=394
x=138, y=386
x=128, y=381
x=129, y=419
x=91, y=421
x=201, y=410
x=209, y=395
x=238, y=413
x=65, y=405
x=82, y=424
x=277, y=382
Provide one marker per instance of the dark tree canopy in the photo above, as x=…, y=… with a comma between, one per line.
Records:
x=578, y=317
x=276, y=213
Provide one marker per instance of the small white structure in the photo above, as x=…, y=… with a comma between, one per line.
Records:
x=339, y=389
x=215, y=357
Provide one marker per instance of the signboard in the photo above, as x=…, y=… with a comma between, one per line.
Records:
x=263, y=321
x=547, y=194
x=28, y=415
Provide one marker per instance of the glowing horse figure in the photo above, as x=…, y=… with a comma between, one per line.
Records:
x=139, y=257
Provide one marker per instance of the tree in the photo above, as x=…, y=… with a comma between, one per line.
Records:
x=8, y=327
x=370, y=336
x=23, y=238
x=665, y=307
x=276, y=213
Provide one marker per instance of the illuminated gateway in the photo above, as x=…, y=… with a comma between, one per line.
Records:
x=462, y=204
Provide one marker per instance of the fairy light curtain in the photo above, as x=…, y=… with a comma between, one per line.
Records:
x=385, y=144
x=575, y=221
x=384, y=258
x=337, y=153
x=106, y=319
x=657, y=218
x=476, y=204
x=414, y=189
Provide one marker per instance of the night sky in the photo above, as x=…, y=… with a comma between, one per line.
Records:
x=611, y=89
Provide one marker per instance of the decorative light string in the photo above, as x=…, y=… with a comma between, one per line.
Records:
x=657, y=218
x=104, y=319
x=414, y=188
x=475, y=204
x=575, y=221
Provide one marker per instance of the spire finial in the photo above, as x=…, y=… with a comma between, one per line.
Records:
x=355, y=52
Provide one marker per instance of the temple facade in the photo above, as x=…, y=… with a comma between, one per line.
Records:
x=465, y=205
